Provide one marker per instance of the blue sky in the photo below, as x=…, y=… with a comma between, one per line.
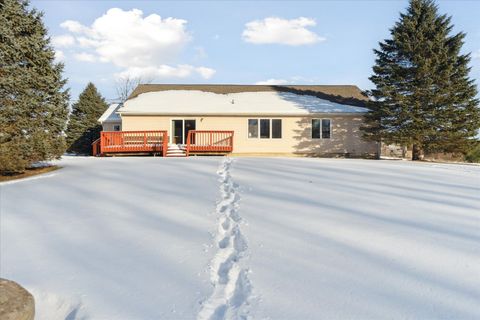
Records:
x=311, y=42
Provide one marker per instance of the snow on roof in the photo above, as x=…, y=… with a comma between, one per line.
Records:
x=110, y=114
x=177, y=102
x=337, y=93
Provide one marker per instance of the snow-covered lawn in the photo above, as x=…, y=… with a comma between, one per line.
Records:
x=278, y=238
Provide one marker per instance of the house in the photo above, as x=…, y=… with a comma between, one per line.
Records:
x=110, y=119
x=310, y=120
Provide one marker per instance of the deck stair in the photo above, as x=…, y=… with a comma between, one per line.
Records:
x=176, y=150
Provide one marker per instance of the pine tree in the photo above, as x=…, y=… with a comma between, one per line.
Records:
x=33, y=101
x=83, y=127
x=423, y=95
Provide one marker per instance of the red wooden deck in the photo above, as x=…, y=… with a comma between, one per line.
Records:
x=200, y=141
x=111, y=142
x=130, y=142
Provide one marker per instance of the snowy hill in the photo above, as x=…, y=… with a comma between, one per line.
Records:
x=220, y=238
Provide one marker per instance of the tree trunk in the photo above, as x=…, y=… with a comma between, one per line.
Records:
x=417, y=152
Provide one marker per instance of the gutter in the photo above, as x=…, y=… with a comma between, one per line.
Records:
x=238, y=114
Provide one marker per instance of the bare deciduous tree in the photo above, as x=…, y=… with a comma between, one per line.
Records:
x=125, y=85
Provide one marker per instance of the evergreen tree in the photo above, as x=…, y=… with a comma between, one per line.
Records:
x=423, y=95
x=33, y=101
x=83, y=127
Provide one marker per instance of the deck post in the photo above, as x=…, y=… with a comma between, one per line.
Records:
x=102, y=142
x=188, y=142
x=96, y=145
x=165, y=143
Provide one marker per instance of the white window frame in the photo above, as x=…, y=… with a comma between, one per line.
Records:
x=321, y=128
x=270, y=128
x=281, y=128
x=258, y=128
x=329, y=128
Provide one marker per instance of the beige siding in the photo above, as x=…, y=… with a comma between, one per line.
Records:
x=296, y=134
x=132, y=123
x=108, y=126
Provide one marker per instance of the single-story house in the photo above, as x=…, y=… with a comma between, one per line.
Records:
x=110, y=119
x=310, y=120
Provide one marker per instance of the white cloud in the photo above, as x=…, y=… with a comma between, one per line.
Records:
x=126, y=38
x=166, y=72
x=205, y=72
x=476, y=55
x=65, y=40
x=270, y=30
x=140, y=45
x=289, y=80
x=273, y=82
x=59, y=56
x=87, y=42
x=73, y=26
x=84, y=56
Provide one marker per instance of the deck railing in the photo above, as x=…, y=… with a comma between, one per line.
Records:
x=133, y=141
x=209, y=141
x=157, y=142
x=96, y=147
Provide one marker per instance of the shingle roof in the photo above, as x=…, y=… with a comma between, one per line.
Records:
x=344, y=94
x=196, y=102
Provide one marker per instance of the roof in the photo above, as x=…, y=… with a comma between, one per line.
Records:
x=110, y=114
x=345, y=94
x=199, y=102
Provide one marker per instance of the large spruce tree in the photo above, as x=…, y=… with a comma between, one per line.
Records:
x=33, y=101
x=423, y=96
x=83, y=127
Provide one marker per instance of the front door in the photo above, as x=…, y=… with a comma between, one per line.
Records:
x=180, y=128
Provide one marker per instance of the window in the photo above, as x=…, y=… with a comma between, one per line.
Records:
x=116, y=127
x=315, y=128
x=321, y=128
x=276, y=128
x=264, y=128
x=325, y=128
x=253, y=128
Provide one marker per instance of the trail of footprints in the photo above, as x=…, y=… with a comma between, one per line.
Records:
x=232, y=288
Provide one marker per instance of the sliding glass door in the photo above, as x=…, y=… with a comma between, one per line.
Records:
x=187, y=126
x=180, y=128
